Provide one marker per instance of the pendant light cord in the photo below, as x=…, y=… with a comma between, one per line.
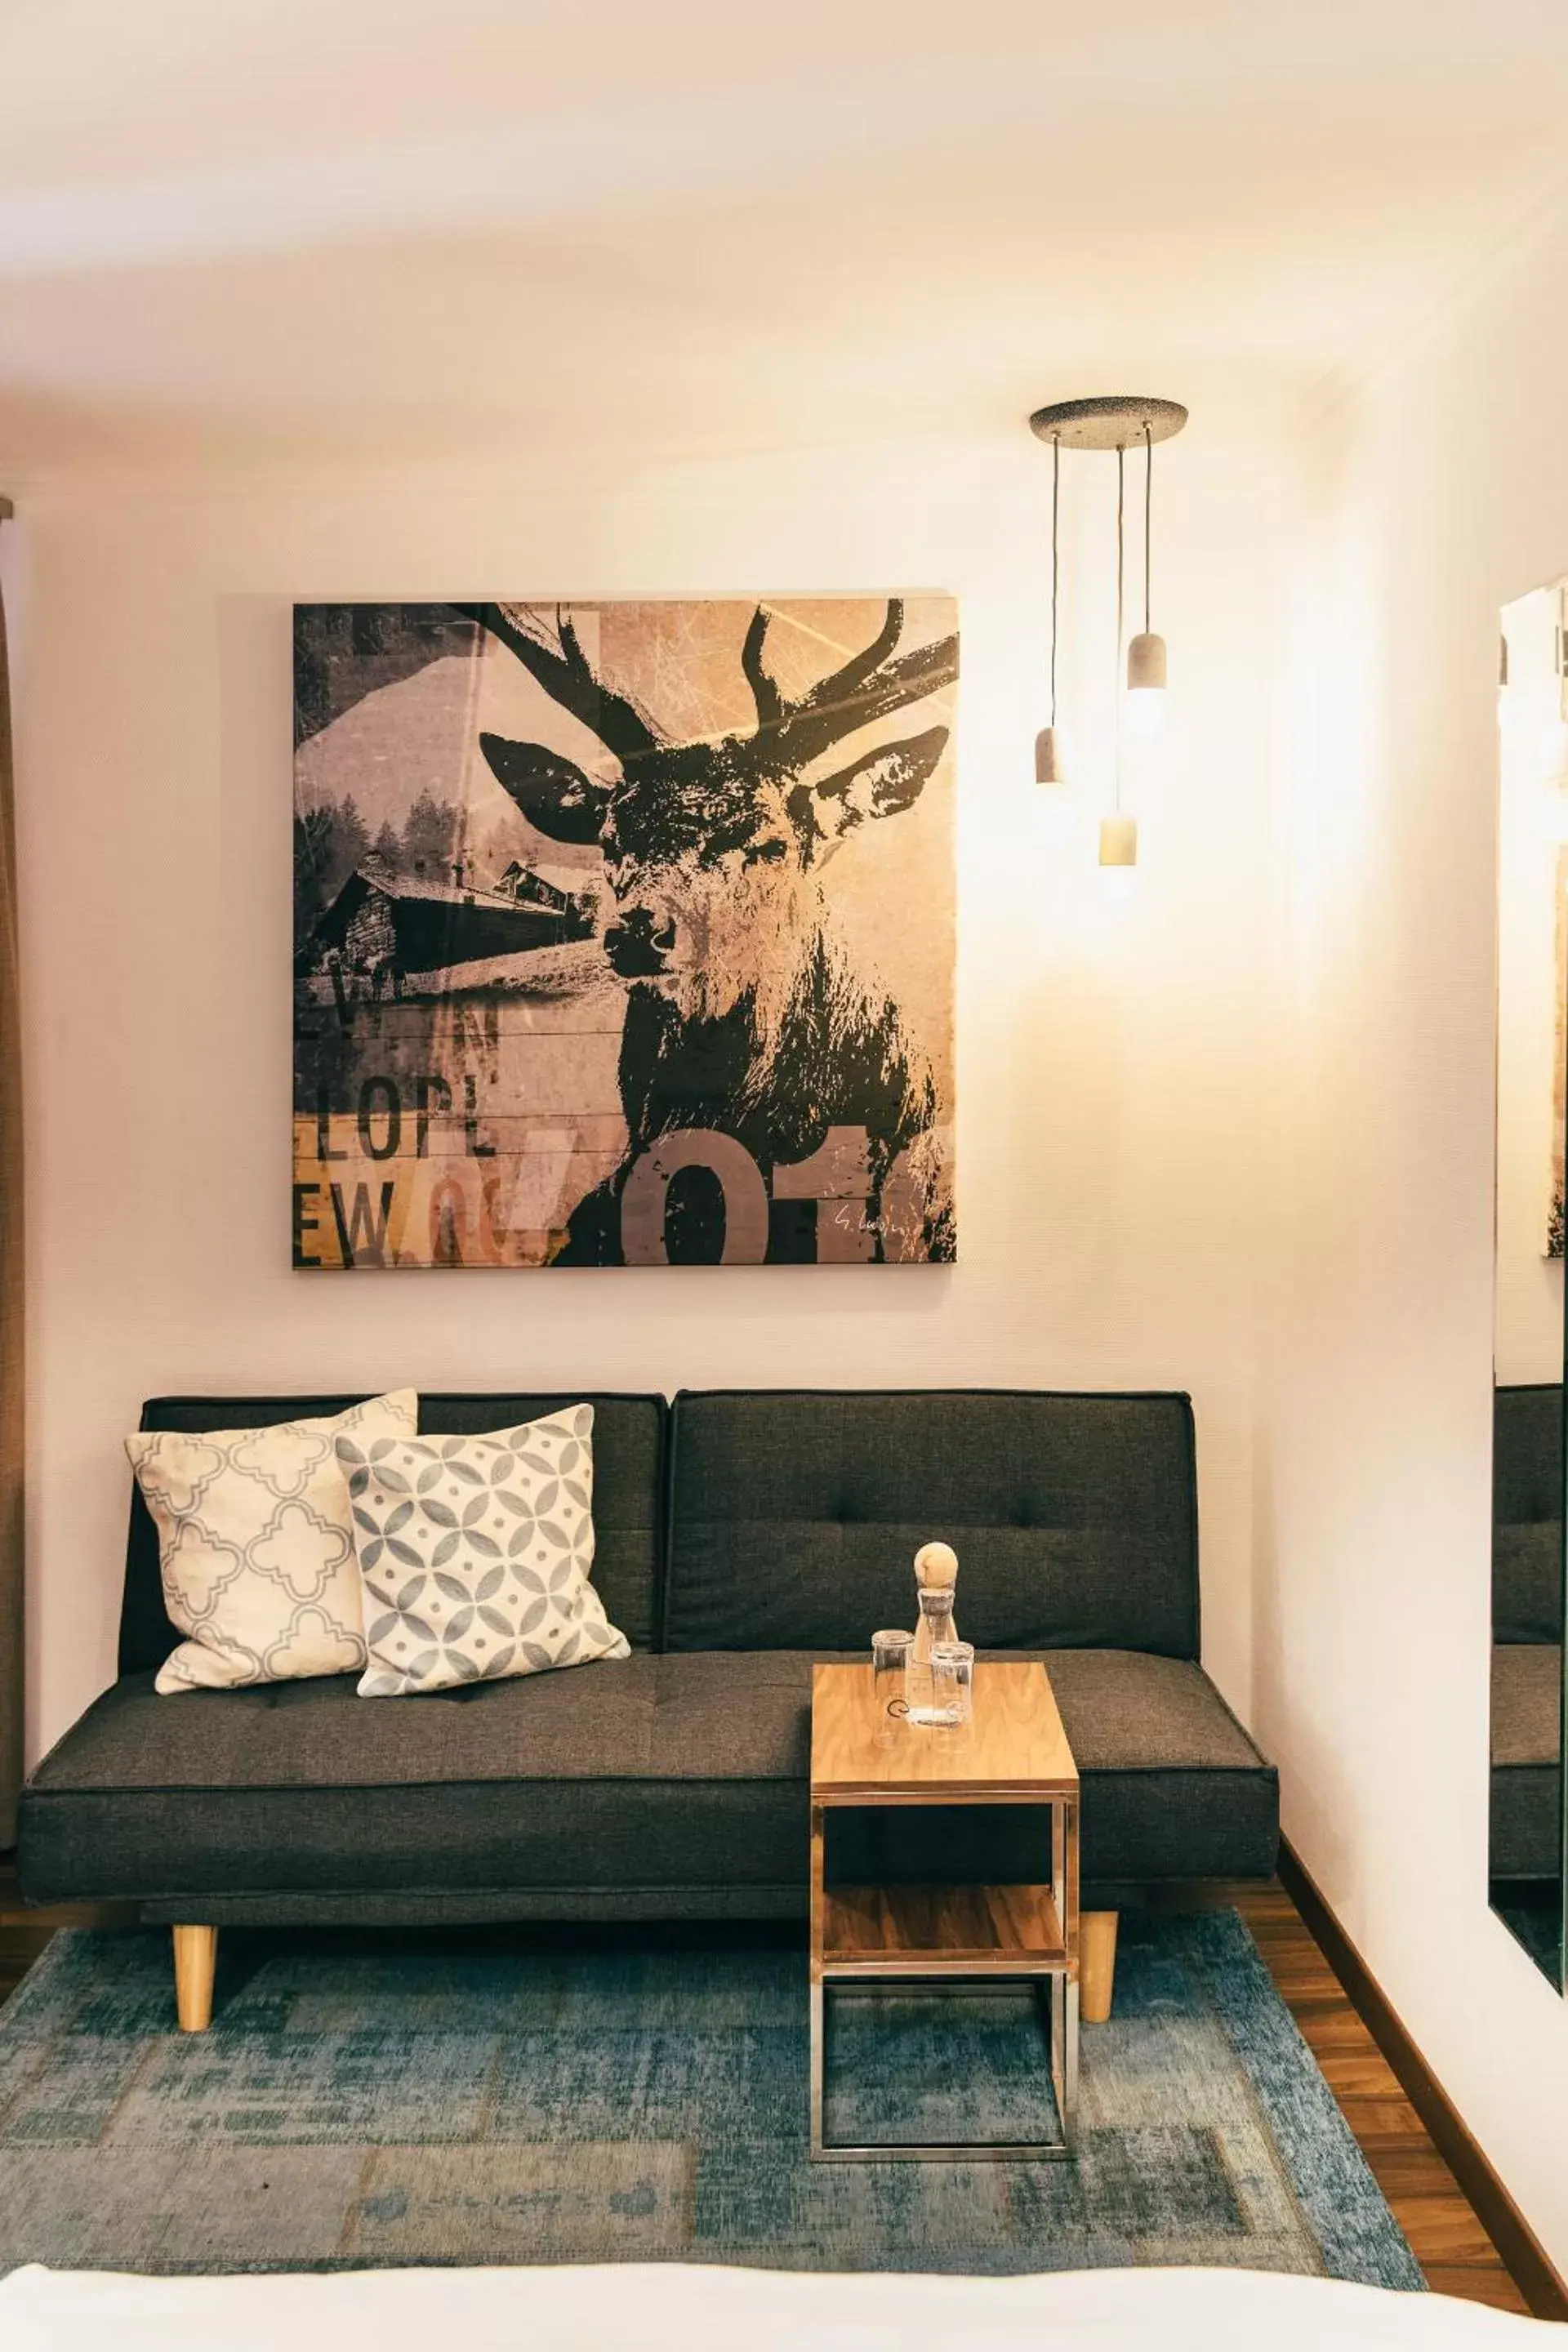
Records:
x=1148, y=520
x=1056, y=558
x=1121, y=579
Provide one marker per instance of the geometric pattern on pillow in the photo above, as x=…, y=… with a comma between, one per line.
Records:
x=475, y=1554
x=256, y=1547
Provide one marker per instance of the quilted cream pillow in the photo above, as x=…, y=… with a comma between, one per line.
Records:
x=256, y=1547
x=475, y=1554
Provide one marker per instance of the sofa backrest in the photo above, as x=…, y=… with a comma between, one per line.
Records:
x=628, y=1494
x=1527, y=1513
x=795, y=1515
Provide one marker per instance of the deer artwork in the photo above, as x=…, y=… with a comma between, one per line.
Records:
x=752, y=1049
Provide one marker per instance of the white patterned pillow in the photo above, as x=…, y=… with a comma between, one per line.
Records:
x=475, y=1554
x=256, y=1547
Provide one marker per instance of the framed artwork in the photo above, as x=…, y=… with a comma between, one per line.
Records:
x=624, y=933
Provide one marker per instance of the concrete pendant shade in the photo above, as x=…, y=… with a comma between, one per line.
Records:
x=1146, y=663
x=1119, y=840
x=1051, y=763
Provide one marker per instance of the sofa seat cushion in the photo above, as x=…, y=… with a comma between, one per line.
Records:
x=1172, y=1787
x=681, y=1771
x=1526, y=1699
x=629, y=1773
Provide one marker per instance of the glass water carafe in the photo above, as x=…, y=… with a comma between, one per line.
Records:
x=936, y=1625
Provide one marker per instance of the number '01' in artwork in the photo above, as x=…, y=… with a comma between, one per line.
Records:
x=624, y=933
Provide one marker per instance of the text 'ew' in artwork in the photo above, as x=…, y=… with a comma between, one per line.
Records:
x=624, y=933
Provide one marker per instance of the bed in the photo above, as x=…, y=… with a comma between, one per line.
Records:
x=670, y=2307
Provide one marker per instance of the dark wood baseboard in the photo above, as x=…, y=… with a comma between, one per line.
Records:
x=1515, y=2241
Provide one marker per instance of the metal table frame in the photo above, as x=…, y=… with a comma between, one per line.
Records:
x=1054, y=1976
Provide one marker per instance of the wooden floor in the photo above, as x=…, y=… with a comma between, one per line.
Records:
x=1445, y=2234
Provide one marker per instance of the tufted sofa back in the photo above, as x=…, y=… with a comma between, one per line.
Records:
x=787, y=1520
x=794, y=1516
x=1527, y=1515
x=628, y=1494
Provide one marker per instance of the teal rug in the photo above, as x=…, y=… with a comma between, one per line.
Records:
x=640, y=2096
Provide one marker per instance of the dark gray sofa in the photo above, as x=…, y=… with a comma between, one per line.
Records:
x=1527, y=1634
x=741, y=1536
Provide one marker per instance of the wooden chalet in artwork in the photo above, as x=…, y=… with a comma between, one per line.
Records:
x=529, y=887
x=410, y=922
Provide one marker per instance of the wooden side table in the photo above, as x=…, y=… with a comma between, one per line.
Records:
x=1015, y=1752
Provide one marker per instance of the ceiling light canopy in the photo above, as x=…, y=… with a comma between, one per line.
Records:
x=1112, y=420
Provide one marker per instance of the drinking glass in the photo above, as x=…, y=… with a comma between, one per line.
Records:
x=889, y=1657
x=952, y=1682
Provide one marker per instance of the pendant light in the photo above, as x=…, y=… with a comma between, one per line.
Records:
x=1112, y=421
x=1118, y=833
x=1146, y=654
x=1554, y=747
x=1051, y=763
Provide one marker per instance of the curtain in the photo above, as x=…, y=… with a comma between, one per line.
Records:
x=11, y=1297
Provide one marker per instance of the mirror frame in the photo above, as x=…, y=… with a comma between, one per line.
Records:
x=1539, y=765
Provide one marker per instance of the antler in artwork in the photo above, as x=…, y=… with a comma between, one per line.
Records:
x=789, y=732
x=567, y=675
x=867, y=686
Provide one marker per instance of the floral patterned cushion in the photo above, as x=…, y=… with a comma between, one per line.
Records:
x=256, y=1547
x=475, y=1554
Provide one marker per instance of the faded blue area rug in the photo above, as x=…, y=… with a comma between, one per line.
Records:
x=481, y=2098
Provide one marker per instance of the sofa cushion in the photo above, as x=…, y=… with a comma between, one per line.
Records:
x=1172, y=1787
x=1527, y=1513
x=553, y=1782
x=477, y=1554
x=795, y=1516
x=255, y=1545
x=652, y=1773
x=628, y=1488
x=1526, y=1699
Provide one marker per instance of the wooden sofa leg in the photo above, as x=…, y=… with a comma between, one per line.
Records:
x=1097, y=1964
x=195, y=1960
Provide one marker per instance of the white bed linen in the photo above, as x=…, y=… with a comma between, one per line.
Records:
x=672, y=2307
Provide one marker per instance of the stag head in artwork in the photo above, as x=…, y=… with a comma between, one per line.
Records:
x=745, y=1013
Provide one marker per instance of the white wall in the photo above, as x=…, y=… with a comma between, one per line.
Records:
x=1106, y=1059
x=1437, y=495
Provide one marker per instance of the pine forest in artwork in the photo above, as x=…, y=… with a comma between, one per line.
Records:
x=624, y=933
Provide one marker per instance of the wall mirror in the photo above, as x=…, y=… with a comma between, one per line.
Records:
x=1527, y=1821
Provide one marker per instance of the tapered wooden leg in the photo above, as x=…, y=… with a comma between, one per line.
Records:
x=1096, y=1964
x=195, y=1960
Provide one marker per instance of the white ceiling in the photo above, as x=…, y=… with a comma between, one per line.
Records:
x=325, y=227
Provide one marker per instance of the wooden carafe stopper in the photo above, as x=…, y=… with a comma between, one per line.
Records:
x=936, y=1567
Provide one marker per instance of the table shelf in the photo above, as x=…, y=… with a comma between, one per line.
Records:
x=936, y=1931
